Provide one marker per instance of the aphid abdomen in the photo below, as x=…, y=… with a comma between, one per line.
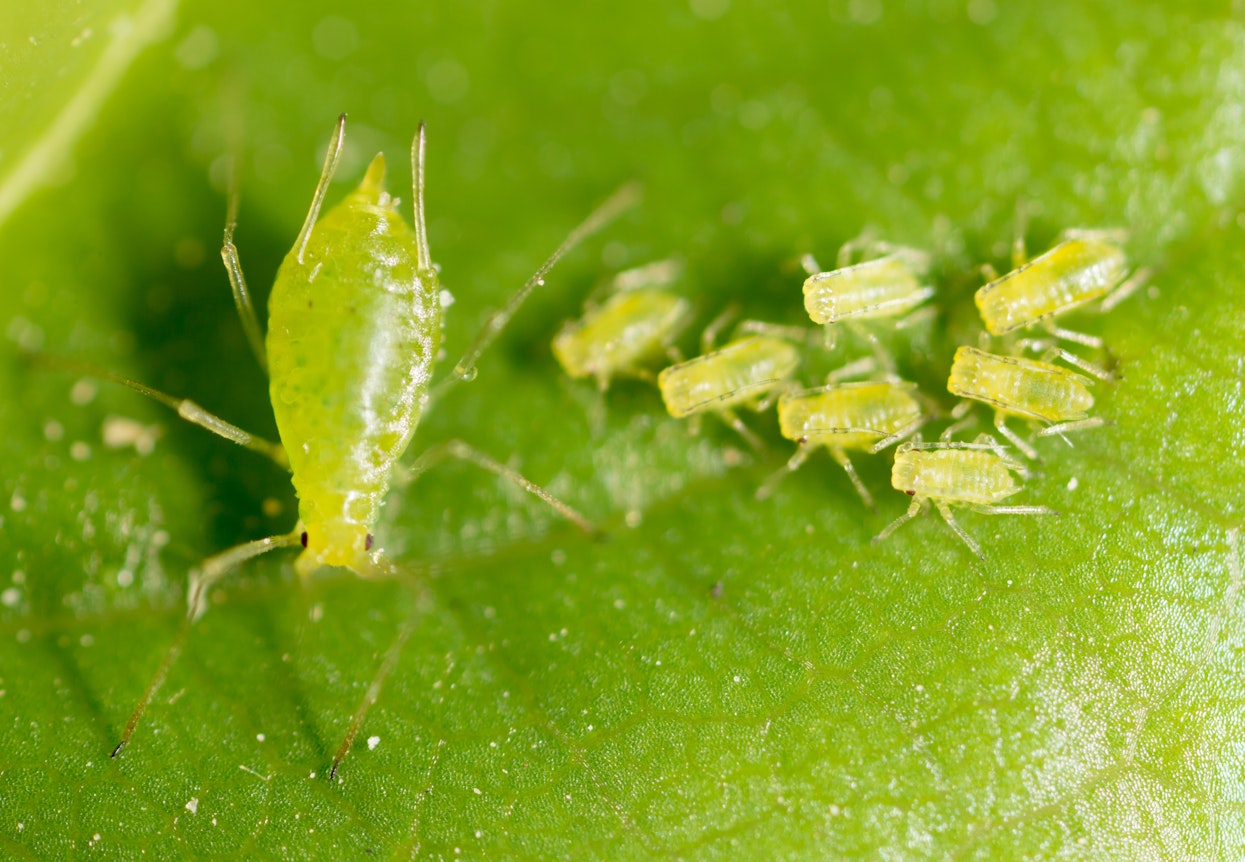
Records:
x=353, y=331
x=1023, y=387
x=1070, y=274
x=738, y=373
x=847, y=416
x=969, y=476
x=884, y=287
x=629, y=330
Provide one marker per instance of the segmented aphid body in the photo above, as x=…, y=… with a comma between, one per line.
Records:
x=741, y=373
x=354, y=323
x=865, y=416
x=848, y=415
x=883, y=287
x=978, y=475
x=1071, y=274
x=966, y=476
x=622, y=336
x=1020, y=387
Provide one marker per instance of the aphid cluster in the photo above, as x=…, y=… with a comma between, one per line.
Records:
x=354, y=331
x=876, y=284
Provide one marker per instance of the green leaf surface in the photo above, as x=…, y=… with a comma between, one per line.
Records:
x=719, y=677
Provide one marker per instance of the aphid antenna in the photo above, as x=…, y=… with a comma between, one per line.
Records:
x=424, y=257
x=809, y=264
x=807, y=335
x=658, y=273
x=233, y=266
x=862, y=367
x=623, y=199
x=709, y=337
x=331, y=157
x=1127, y=289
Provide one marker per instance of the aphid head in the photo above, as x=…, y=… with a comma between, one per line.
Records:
x=336, y=543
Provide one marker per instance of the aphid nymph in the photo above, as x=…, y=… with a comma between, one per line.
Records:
x=353, y=332
x=1086, y=265
x=977, y=475
x=843, y=417
x=623, y=336
x=1037, y=391
x=747, y=372
x=888, y=284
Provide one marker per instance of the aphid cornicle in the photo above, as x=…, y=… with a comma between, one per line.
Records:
x=1037, y=391
x=977, y=475
x=354, y=327
x=843, y=417
x=1086, y=266
x=623, y=336
x=745, y=373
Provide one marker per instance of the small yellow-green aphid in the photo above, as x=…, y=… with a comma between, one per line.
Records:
x=628, y=332
x=977, y=475
x=1086, y=266
x=886, y=286
x=842, y=417
x=1038, y=391
x=354, y=326
x=747, y=372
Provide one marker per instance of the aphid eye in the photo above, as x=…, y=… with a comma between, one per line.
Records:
x=910, y=493
x=367, y=544
x=303, y=538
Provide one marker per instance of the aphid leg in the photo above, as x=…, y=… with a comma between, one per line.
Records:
x=1015, y=510
x=846, y=463
x=1072, y=359
x=809, y=264
x=184, y=407
x=906, y=431
x=831, y=337
x=434, y=455
x=945, y=511
x=885, y=360
x=988, y=272
x=733, y=420
x=1020, y=253
x=331, y=158
x=1072, y=335
x=1061, y=428
x=241, y=294
x=1000, y=424
x=202, y=577
x=777, y=330
x=862, y=367
x=392, y=654
x=793, y=463
x=1125, y=290
x=914, y=509
x=709, y=338
x=916, y=318
x=622, y=200
x=964, y=417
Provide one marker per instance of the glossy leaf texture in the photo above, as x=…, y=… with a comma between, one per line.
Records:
x=718, y=677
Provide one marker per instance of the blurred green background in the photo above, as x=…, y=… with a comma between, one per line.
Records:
x=719, y=677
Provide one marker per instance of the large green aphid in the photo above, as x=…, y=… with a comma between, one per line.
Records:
x=354, y=327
